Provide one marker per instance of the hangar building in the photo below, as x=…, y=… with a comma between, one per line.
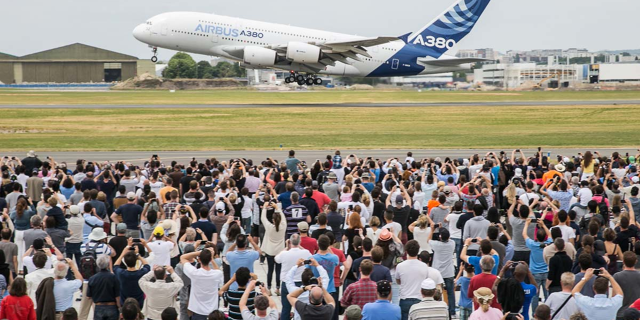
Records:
x=75, y=63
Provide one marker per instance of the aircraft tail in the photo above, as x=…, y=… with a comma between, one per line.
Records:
x=449, y=28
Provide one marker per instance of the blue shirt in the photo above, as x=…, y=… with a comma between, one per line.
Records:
x=530, y=291
x=242, y=258
x=475, y=261
x=536, y=258
x=329, y=262
x=564, y=197
x=63, y=291
x=86, y=229
x=495, y=171
x=285, y=199
x=508, y=256
x=128, y=280
x=464, y=301
x=599, y=307
x=22, y=223
x=381, y=309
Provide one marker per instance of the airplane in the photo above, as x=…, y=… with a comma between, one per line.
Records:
x=308, y=52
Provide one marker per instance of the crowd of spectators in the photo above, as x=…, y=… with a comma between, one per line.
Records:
x=499, y=236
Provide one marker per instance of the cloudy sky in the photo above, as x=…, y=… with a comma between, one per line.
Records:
x=35, y=25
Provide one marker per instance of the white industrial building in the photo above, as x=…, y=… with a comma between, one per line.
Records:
x=515, y=75
x=427, y=80
x=615, y=72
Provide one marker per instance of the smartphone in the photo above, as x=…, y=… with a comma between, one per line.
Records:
x=136, y=239
x=596, y=272
x=474, y=240
x=309, y=262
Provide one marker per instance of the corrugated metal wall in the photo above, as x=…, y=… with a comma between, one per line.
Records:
x=63, y=71
x=6, y=72
x=128, y=70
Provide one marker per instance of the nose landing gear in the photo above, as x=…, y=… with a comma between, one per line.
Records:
x=155, y=52
x=301, y=80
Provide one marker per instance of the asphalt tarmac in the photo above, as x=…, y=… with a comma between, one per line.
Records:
x=138, y=157
x=340, y=105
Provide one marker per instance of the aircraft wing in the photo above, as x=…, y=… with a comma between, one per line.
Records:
x=368, y=42
x=449, y=62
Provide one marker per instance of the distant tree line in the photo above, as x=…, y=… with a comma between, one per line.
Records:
x=182, y=66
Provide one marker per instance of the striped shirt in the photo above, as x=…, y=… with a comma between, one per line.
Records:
x=294, y=213
x=429, y=309
x=233, y=298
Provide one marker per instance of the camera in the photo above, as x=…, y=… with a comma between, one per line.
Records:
x=596, y=272
x=313, y=280
x=307, y=262
x=258, y=284
x=474, y=240
x=183, y=210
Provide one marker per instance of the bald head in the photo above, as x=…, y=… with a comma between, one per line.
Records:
x=315, y=296
x=521, y=272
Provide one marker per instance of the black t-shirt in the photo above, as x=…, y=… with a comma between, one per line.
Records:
x=318, y=232
x=355, y=255
x=118, y=243
x=240, y=183
x=378, y=210
x=185, y=182
x=401, y=216
x=625, y=239
x=335, y=221
x=130, y=214
x=350, y=234
x=311, y=312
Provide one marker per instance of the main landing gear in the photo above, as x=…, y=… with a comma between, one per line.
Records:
x=301, y=80
x=155, y=52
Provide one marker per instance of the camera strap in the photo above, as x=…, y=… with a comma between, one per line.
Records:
x=562, y=306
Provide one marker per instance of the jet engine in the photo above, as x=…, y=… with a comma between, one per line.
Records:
x=260, y=57
x=303, y=52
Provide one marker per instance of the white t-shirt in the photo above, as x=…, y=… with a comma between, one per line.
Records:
x=421, y=236
x=28, y=262
x=527, y=197
x=585, y=196
x=162, y=252
x=567, y=232
x=246, y=209
x=454, y=232
x=203, y=298
x=396, y=227
x=411, y=274
x=290, y=258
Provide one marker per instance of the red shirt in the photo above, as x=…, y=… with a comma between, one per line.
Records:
x=321, y=199
x=483, y=280
x=309, y=243
x=635, y=304
x=361, y=292
x=17, y=308
x=336, y=273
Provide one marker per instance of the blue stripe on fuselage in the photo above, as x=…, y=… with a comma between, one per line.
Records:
x=408, y=62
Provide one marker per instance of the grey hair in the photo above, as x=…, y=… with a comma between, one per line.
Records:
x=295, y=239
x=36, y=220
x=295, y=197
x=487, y=263
x=567, y=279
x=60, y=270
x=103, y=261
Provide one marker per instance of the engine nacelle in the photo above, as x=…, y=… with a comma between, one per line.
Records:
x=303, y=52
x=259, y=56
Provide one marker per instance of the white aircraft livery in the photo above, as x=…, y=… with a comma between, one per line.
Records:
x=307, y=51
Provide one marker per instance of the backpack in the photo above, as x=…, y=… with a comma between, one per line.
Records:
x=88, y=265
x=604, y=210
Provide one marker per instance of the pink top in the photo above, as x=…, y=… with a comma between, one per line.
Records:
x=492, y=314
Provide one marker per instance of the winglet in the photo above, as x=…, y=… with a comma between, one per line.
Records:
x=405, y=37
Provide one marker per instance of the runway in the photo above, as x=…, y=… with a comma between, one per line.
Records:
x=138, y=157
x=338, y=105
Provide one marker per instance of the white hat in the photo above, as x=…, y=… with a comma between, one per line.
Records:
x=169, y=226
x=428, y=284
x=131, y=196
x=220, y=206
x=559, y=167
x=74, y=209
x=565, y=159
x=97, y=234
x=31, y=154
x=635, y=179
x=518, y=172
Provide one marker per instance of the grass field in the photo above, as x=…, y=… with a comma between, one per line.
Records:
x=318, y=128
x=19, y=97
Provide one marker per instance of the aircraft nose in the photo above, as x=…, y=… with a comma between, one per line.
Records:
x=139, y=32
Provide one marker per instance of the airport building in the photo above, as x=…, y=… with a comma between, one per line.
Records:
x=75, y=63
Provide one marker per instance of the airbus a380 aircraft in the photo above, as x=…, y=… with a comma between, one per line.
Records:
x=300, y=50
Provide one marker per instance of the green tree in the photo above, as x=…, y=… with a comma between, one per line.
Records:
x=182, y=66
x=204, y=70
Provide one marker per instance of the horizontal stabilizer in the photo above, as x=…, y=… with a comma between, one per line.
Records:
x=450, y=62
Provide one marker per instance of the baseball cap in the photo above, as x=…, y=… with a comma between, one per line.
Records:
x=635, y=179
x=158, y=231
x=303, y=226
x=385, y=235
x=131, y=196
x=121, y=227
x=353, y=312
x=428, y=284
x=399, y=199
x=35, y=170
x=384, y=287
x=447, y=189
x=220, y=206
x=518, y=172
x=365, y=175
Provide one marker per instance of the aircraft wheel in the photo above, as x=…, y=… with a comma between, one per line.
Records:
x=301, y=82
x=286, y=80
x=309, y=81
x=154, y=59
x=317, y=81
x=300, y=78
